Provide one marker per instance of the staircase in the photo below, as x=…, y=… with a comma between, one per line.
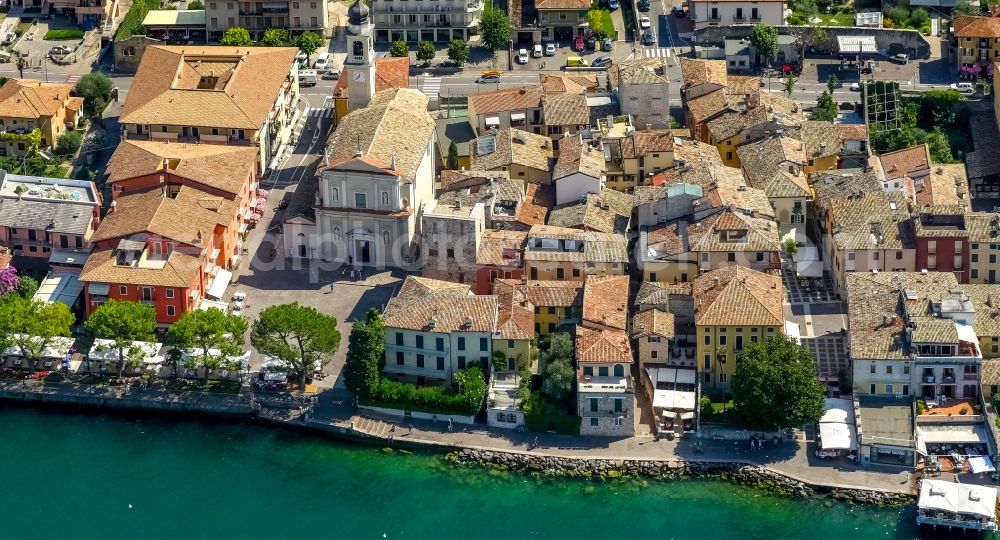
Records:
x=371, y=426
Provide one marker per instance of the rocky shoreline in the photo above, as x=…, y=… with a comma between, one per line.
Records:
x=754, y=476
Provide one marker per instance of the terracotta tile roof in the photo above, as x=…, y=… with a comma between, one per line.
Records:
x=820, y=139
x=609, y=211
x=644, y=142
x=501, y=248
x=432, y=305
x=946, y=185
x=857, y=220
x=789, y=111
x=877, y=313
x=829, y=186
x=28, y=98
x=562, y=4
x=732, y=123
x=906, y=162
x=576, y=83
x=395, y=126
x=775, y=165
x=759, y=234
x=515, y=147
x=653, y=322
x=541, y=293
x=450, y=180
x=702, y=71
x=976, y=27
x=390, y=73
x=738, y=296
x=516, y=318
x=696, y=152
x=566, y=110
x=981, y=226
x=507, y=99
x=597, y=247
x=577, y=157
x=656, y=293
x=602, y=346
x=151, y=212
x=179, y=270
x=708, y=105
x=646, y=71
x=166, y=86
x=538, y=200
x=747, y=85
x=605, y=301
x=990, y=372
x=851, y=132
x=227, y=168
x=986, y=299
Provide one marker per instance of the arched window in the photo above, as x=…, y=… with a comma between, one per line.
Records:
x=619, y=370
x=385, y=237
x=301, y=235
x=335, y=194
x=358, y=48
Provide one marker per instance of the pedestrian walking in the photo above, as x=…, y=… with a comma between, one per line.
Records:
x=451, y=426
x=410, y=428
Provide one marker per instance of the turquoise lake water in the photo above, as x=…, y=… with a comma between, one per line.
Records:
x=74, y=476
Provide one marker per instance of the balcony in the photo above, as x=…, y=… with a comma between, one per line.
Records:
x=755, y=18
x=714, y=19
x=739, y=18
x=928, y=379
x=624, y=413
x=417, y=8
x=948, y=379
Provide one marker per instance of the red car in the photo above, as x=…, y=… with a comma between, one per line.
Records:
x=578, y=44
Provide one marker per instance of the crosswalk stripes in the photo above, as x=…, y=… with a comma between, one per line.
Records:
x=71, y=79
x=317, y=112
x=431, y=87
x=656, y=52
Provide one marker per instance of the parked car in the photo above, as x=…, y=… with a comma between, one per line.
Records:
x=607, y=45
x=900, y=58
x=331, y=74
x=302, y=58
x=643, y=5
x=678, y=11
x=603, y=61
x=591, y=43
x=550, y=49
x=576, y=61
x=855, y=87
x=322, y=62
x=9, y=38
x=60, y=50
x=578, y=44
x=307, y=77
x=522, y=56
x=964, y=87
x=648, y=37
x=613, y=5
x=488, y=78
x=644, y=22
x=536, y=50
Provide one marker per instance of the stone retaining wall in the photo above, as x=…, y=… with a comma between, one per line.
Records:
x=236, y=406
x=607, y=469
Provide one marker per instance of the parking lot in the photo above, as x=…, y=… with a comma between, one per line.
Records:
x=934, y=71
x=563, y=51
x=33, y=46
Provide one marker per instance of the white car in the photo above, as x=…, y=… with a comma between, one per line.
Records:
x=855, y=87
x=536, y=51
x=522, y=56
x=550, y=49
x=644, y=22
x=964, y=87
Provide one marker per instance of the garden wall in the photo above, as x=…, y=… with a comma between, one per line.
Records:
x=458, y=419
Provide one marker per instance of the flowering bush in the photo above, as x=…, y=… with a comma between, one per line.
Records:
x=8, y=280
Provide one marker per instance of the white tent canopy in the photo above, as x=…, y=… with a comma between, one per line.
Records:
x=221, y=282
x=56, y=349
x=958, y=498
x=673, y=399
x=243, y=360
x=104, y=351
x=838, y=410
x=981, y=464
x=836, y=426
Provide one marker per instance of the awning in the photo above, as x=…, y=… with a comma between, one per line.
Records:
x=517, y=116
x=219, y=285
x=837, y=436
x=957, y=498
x=953, y=433
x=856, y=44
x=98, y=289
x=492, y=120
x=207, y=304
x=59, y=287
x=809, y=269
x=672, y=399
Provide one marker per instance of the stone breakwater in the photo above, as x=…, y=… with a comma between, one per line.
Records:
x=754, y=476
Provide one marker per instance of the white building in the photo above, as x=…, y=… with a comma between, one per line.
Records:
x=726, y=12
x=579, y=170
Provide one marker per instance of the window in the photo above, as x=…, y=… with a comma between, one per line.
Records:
x=399, y=338
x=461, y=362
x=335, y=194
x=420, y=342
x=753, y=14
x=602, y=371
x=420, y=360
x=589, y=371
x=123, y=290
x=871, y=388
x=731, y=257
x=888, y=370
x=440, y=363
x=851, y=256
x=872, y=369
x=975, y=257
x=461, y=344
x=593, y=422
x=708, y=339
x=560, y=273
x=652, y=354
x=439, y=342
x=722, y=341
x=708, y=361
x=450, y=253
x=619, y=370
x=399, y=358
x=576, y=272
x=594, y=404
x=360, y=200
x=906, y=369
x=899, y=255
x=957, y=263
x=168, y=293
x=875, y=255
x=932, y=246
x=760, y=256
x=510, y=343
x=618, y=406
x=722, y=377
x=888, y=389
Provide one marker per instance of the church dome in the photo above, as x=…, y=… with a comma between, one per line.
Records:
x=357, y=14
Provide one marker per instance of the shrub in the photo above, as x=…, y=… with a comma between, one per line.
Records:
x=434, y=399
x=64, y=35
x=132, y=22
x=195, y=4
x=69, y=143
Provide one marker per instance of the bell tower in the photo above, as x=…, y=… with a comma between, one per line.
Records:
x=359, y=68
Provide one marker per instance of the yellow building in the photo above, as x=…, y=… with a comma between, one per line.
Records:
x=524, y=155
x=734, y=306
x=515, y=331
x=240, y=96
x=27, y=105
x=554, y=304
x=984, y=246
x=977, y=41
x=776, y=165
x=557, y=253
x=636, y=157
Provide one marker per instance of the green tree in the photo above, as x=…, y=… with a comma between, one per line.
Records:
x=31, y=326
x=775, y=385
x=458, y=51
x=365, y=346
x=195, y=5
x=888, y=140
x=236, y=36
x=788, y=85
x=452, y=156
x=919, y=17
x=494, y=27
x=199, y=331
x=598, y=20
x=124, y=323
x=790, y=247
x=764, y=38
x=27, y=286
x=274, y=37
x=832, y=83
x=399, y=49
x=69, y=143
x=938, y=107
x=95, y=89
x=825, y=109
x=300, y=336
x=425, y=51
x=964, y=7
x=937, y=144
x=308, y=42
x=559, y=372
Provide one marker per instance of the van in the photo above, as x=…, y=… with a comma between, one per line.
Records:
x=576, y=61
x=307, y=77
x=322, y=62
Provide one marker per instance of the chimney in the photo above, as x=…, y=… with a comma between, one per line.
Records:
x=649, y=127
x=392, y=162
x=715, y=282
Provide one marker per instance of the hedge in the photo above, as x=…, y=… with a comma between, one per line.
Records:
x=64, y=34
x=132, y=22
x=560, y=423
x=432, y=399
